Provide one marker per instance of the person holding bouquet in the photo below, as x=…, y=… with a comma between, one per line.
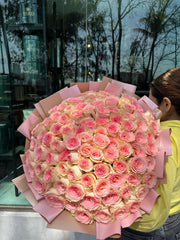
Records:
x=164, y=220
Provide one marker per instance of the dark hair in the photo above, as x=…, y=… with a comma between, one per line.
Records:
x=168, y=85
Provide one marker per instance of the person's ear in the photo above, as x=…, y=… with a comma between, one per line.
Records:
x=166, y=104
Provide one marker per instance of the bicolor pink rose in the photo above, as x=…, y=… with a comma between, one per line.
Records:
x=75, y=100
x=101, y=140
x=121, y=213
x=141, y=138
x=120, y=166
x=61, y=185
x=47, y=122
x=116, y=118
x=151, y=149
x=150, y=137
x=113, y=128
x=96, y=155
x=127, y=136
x=84, y=137
x=57, y=145
x=39, y=168
x=74, y=173
x=125, y=150
x=102, y=121
x=88, y=180
x=138, y=150
x=129, y=108
x=55, y=129
x=133, y=179
x=141, y=125
x=41, y=135
x=98, y=103
x=85, y=164
x=111, y=153
x=125, y=191
x=39, y=186
x=85, y=149
x=90, y=202
x=76, y=114
x=40, y=153
x=102, y=111
x=75, y=192
x=112, y=101
x=55, y=115
x=33, y=143
x=103, y=216
x=112, y=198
x=101, y=170
x=61, y=106
x=62, y=169
x=113, y=142
x=54, y=200
x=71, y=206
x=141, y=191
x=151, y=163
x=102, y=188
x=37, y=129
x=155, y=127
x=138, y=165
x=48, y=175
x=117, y=180
x=65, y=155
x=83, y=216
x=128, y=125
x=47, y=139
x=72, y=143
x=150, y=179
x=101, y=130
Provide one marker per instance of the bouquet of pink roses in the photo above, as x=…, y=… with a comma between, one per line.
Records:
x=96, y=154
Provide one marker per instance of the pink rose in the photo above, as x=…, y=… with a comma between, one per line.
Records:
x=75, y=100
x=96, y=155
x=85, y=164
x=101, y=121
x=129, y=108
x=61, y=106
x=150, y=179
x=141, y=191
x=111, y=153
x=125, y=191
x=74, y=173
x=155, y=127
x=62, y=169
x=101, y=140
x=76, y=114
x=85, y=149
x=138, y=165
x=101, y=170
x=113, y=128
x=151, y=149
x=102, y=111
x=90, y=202
x=113, y=109
x=103, y=216
x=127, y=136
x=54, y=116
x=47, y=122
x=48, y=175
x=54, y=200
x=112, y=101
x=84, y=137
x=117, y=180
x=133, y=179
x=83, y=216
x=33, y=143
x=121, y=213
x=133, y=205
x=39, y=186
x=31, y=171
x=141, y=137
x=125, y=150
x=141, y=125
x=75, y=192
x=101, y=130
x=129, y=116
x=81, y=105
x=61, y=185
x=111, y=198
x=113, y=142
x=41, y=135
x=47, y=139
x=151, y=163
x=138, y=150
x=102, y=188
x=67, y=130
x=52, y=158
x=150, y=137
x=71, y=206
x=57, y=145
x=117, y=118
x=40, y=153
x=88, y=123
x=88, y=180
x=37, y=129
x=120, y=166
x=65, y=155
x=55, y=129
x=98, y=103
x=39, y=168
x=72, y=143
x=128, y=125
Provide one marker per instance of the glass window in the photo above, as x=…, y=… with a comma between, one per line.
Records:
x=45, y=45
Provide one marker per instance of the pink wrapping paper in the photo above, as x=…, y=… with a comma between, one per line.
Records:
x=52, y=215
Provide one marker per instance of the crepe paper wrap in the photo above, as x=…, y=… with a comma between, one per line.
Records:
x=97, y=155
